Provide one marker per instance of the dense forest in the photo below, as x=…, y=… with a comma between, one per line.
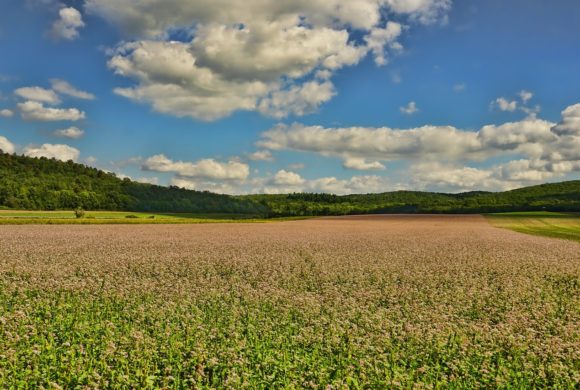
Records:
x=49, y=184
x=563, y=196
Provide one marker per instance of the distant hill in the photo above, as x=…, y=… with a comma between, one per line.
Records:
x=49, y=184
x=563, y=196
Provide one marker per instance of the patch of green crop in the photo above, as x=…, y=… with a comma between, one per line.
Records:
x=73, y=339
x=21, y=217
x=556, y=225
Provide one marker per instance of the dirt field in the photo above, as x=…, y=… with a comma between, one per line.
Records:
x=346, y=301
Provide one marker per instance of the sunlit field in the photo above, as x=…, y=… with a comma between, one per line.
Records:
x=351, y=302
x=558, y=225
x=24, y=217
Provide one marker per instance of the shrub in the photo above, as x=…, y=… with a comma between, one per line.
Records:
x=79, y=212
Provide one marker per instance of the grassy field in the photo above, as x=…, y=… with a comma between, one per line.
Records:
x=354, y=302
x=557, y=225
x=24, y=217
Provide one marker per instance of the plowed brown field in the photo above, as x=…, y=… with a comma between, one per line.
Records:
x=351, y=301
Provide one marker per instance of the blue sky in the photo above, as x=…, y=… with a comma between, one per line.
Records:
x=324, y=96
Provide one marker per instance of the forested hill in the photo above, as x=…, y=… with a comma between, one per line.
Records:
x=48, y=184
x=563, y=196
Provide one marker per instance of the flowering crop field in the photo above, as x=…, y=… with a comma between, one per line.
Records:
x=348, y=302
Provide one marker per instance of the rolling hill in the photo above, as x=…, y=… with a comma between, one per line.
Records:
x=49, y=184
x=564, y=196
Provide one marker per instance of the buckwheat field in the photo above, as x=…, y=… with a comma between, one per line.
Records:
x=353, y=302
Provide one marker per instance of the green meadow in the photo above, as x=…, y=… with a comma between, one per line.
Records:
x=541, y=223
x=27, y=217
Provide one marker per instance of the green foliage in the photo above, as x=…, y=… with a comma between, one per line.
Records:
x=79, y=212
x=49, y=184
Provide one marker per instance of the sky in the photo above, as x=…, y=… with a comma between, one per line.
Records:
x=277, y=96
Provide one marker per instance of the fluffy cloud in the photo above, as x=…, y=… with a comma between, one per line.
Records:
x=274, y=57
x=298, y=100
x=570, y=125
x=425, y=11
x=211, y=80
x=70, y=132
x=153, y=18
x=446, y=158
x=440, y=177
x=361, y=164
x=66, y=88
x=505, y=105
x=67, y=25
x=525, y=95
x=287, y=182
x=202, y=169
x=287, y=178
x=173, y=84
x=427, y=142
x=521, y=136
x=6, y=146
x=6, y=113
x=409, y=109
x=500, y=177
x=35, y=111
x=261, y=155
x=373, y=143
x=57, y=151
x=379, y=38
x=37, y=94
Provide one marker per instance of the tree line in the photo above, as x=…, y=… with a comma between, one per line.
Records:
x=49, y=184
x=563, y=196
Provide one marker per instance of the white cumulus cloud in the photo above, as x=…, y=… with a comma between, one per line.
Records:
x=6, y=113
x=70, y=132
x=525, y=95
x=505, y=105
x=288, y=182
x=287, y=178
x=409, y=109
x=36, y=111
x=68, y=24
x=274, y=57
x=57, y=151
x=261, y=155
x=203, y=169
x=447, y=158
x=6, y=146
x=362, y=164
x=37, y=94
x=66, y=88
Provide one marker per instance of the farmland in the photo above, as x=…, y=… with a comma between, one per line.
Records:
x=336, y=302
x=68, y=217
x=558, y=225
